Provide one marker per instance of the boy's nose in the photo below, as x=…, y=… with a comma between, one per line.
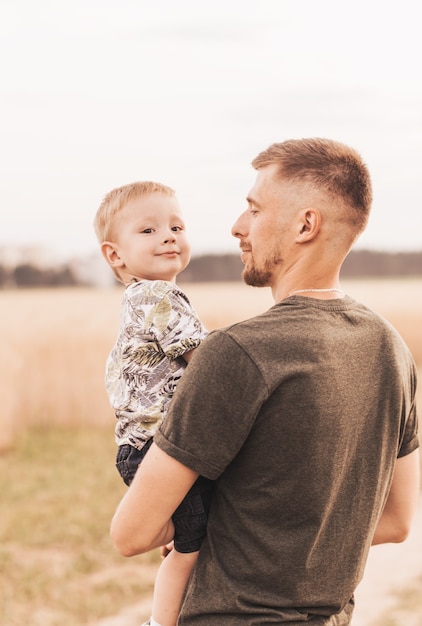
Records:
x=169, y=238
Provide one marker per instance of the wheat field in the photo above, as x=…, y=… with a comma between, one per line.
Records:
x=55, y=342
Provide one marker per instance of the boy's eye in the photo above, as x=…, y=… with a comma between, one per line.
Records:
x=147, y=230
x=176, y=228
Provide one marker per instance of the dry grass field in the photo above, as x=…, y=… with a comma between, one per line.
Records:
x=57, y=479
x=55, y=342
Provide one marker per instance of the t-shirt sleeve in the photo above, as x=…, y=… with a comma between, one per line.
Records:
x=409, y=440
x=184, y=331
x=214, y=407
x=166, y=314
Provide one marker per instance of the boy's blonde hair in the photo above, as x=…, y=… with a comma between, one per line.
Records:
x=117, y=199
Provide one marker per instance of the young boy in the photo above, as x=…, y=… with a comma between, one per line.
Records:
x=143, y=239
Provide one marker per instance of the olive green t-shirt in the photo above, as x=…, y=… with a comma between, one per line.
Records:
x=298, y=415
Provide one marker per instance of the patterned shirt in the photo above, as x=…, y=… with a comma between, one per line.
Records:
x=157, y=326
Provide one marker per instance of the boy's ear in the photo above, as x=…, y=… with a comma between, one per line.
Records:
x=110, y=252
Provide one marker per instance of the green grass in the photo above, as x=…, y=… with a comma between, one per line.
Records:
x=59, y=490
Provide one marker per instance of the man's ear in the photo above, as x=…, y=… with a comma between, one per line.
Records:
x=309, y=224
x=110, y=252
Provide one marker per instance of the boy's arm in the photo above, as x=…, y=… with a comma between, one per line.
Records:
x=396, y=519
x=143, y=518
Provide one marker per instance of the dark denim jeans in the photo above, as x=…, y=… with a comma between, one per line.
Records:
x=190, y=517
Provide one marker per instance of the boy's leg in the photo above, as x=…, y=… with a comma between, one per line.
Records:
x=128, y=459
x=170, y=585
x=190, y=526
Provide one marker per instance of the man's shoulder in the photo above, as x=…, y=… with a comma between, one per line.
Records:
x=244, y=332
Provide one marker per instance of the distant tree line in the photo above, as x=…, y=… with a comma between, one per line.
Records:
x=359, y=263
x=28, y=275
x=370, y=263
x=220, y=267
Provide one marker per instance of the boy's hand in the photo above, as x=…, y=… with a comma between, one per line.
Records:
x=165, y=550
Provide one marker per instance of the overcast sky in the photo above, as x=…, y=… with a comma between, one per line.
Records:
x=99, y=93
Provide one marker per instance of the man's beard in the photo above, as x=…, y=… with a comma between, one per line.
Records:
x=260, y=277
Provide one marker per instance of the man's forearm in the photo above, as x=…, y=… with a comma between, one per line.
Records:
x=396, y=519
x=131, y=537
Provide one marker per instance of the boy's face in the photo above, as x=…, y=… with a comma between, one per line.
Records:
x=151, y=241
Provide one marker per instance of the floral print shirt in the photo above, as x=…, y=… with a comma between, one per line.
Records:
x=157, y=326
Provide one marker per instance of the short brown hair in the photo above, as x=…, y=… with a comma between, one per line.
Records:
x=327, y=165
x=118, y=198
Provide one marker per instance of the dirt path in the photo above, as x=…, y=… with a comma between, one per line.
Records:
x=134, y=615
x=390, y=569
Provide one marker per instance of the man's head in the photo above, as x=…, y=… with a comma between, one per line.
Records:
x=330, y=168
x=310, y=202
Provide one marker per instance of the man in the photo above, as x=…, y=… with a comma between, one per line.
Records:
x=304, y=416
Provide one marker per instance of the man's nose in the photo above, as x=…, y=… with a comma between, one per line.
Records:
x=238, y=228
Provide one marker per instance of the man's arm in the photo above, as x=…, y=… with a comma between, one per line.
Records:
x=143, y=518
x=396, y=519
